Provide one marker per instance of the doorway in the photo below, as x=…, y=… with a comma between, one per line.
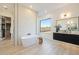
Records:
x=6, y=27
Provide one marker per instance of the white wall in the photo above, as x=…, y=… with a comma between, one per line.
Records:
x=25, y=22
x=72, y=8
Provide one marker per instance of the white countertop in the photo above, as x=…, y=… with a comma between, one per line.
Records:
x=76, y=33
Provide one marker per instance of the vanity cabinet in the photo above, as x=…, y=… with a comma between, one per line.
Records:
x=69, y=38
x=67, y=30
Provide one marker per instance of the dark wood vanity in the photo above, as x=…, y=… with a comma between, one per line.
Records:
x=69, y=38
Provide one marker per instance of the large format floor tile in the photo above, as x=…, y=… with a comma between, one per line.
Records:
x=49, y=47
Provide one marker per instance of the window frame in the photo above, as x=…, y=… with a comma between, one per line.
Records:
x=44, y=20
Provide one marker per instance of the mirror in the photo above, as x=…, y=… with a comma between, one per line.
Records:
x=67, y=25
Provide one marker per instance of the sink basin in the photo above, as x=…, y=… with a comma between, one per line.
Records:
x=74, y=32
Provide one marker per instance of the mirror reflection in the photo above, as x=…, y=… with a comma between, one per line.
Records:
x=68, y=25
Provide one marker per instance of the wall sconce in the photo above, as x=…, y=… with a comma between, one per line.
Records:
x=70, y=22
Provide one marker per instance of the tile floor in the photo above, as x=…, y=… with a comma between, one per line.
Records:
x=49, y=47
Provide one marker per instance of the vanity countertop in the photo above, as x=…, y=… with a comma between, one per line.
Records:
x=67, y=37
x=68, y=33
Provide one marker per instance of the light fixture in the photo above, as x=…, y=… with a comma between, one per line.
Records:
x=31, y=6
x=71, y=22
x=65, y=15
x=68, y=22
x=5, y=7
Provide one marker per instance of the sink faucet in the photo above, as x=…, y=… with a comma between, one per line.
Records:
x=69, y=29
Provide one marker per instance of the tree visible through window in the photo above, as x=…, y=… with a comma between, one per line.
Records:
x=45, y=25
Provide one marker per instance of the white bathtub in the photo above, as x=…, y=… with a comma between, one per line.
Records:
x=29, y=40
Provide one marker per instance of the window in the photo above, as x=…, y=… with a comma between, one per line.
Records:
x=45, y=25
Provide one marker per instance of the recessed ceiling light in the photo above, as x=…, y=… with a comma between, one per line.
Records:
x=45, y=11
x=5, y=7
x=31, y=6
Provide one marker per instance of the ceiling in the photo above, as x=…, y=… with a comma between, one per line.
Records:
x=7, y=6
x=41, y=8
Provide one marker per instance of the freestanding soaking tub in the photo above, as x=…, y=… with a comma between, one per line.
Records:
x=29, y=40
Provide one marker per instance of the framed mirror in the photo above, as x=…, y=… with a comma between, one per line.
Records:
x=67, y=25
